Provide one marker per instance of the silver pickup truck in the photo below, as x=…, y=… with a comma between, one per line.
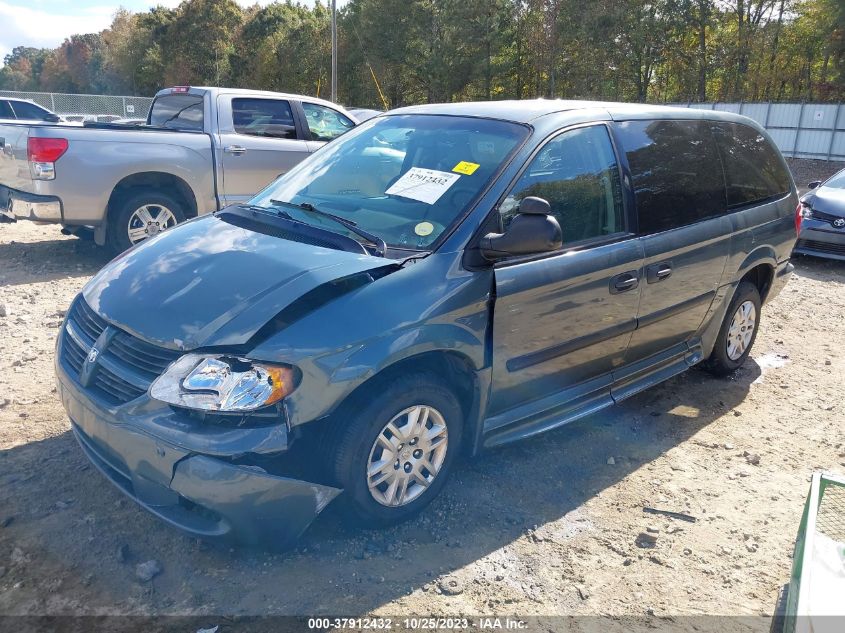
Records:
x=200, y=149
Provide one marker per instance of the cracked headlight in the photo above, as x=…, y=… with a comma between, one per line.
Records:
x=222, y=383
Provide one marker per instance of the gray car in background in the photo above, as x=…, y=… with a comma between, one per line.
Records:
x=200, y=149
x=441, y=280
x=823, y=219
x=26, y=110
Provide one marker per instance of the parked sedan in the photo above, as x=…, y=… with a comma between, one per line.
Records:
x=364, y=114
x=26, y=110
x=823, y=219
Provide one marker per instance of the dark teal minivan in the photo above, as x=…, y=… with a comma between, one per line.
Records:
x=439, y=280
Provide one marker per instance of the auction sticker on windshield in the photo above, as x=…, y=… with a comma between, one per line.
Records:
x=465, y=167
x=425, y=185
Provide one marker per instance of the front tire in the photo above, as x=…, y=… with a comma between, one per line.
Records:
x=738, y=331
x=142, y=215
x=394, y=453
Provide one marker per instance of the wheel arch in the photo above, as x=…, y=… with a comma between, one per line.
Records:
x=453, y=369
x=159, y=180
x=761, y=275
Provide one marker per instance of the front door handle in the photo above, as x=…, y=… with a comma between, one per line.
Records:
x=237, y=150
x=623, y=282
x=658, y=272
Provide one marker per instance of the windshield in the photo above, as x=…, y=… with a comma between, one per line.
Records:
x=837, y=181
x=404, y=178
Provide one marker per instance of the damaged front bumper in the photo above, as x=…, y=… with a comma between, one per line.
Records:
x=186, y=478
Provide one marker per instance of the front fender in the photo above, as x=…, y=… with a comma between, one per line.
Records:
x=329, y=380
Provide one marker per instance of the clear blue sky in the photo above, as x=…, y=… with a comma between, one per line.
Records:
x=46, y=23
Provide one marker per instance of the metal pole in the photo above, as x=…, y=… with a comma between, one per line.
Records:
x=334, y=50
x=797, y=130
x=833, y=129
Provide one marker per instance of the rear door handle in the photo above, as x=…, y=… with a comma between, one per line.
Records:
x=658, y=272
x=237, y=150
x=623, y=282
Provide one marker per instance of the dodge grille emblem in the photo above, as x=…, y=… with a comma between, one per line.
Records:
x=92, y=355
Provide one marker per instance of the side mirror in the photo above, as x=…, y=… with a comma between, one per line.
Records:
x=52, y=118
x=814, y=184
x=533, y=230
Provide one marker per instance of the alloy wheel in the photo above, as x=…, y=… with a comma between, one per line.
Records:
x=741, y=329
x=407, y=455
x=149, y=220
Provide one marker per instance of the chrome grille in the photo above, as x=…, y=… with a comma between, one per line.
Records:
x=125, y=367
x=87, y=320
x=824, y=217
x=145, y=358
x=73, y=353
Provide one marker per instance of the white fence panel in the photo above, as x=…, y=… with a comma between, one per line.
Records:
x=800, y=130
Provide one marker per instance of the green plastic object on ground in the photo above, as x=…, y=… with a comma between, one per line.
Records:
x=815, y=596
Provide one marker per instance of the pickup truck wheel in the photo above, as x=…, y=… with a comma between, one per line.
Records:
x=738, y=331
x=140, y=216
x=394, y=454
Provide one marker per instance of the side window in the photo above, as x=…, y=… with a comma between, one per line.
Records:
x=6, y=110
x=676, y=172
x=325, y=124
x=578, y=175
x=753, y=169
x=263, y=117
x=29, y=111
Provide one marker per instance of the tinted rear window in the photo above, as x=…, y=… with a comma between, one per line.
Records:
x=677, y=176
x=180, y=112
x=6, y=110
x=753, y=168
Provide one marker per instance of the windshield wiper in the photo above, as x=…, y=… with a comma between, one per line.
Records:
x=256, y=207
x=380, y=244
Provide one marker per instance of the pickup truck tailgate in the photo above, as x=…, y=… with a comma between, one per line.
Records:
x=14, y=167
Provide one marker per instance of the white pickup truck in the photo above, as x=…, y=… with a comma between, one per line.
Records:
x=199, y=150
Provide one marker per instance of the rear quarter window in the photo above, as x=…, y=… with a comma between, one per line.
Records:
x=29, y=111
x=676, y=172
x=179, y=112
x=754, y=170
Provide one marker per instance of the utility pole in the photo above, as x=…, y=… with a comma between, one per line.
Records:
x=334, y=51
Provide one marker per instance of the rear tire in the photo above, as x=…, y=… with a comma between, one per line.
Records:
x=738, y=331
x=141, y=215
x=414, y=467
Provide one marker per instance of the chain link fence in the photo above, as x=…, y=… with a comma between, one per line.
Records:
x=74, y=107
x=800, y=130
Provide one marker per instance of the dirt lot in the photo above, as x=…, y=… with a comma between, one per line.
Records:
x=547, y=526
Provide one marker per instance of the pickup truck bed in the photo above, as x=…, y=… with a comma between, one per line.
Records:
x=202, y=148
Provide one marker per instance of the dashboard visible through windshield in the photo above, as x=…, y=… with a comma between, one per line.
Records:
x=405, y=179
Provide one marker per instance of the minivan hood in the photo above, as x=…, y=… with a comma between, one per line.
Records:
x=208, y=282
x=827, y=199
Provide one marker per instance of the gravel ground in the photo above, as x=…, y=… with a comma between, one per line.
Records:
x=805, y=171
x=552, y=525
